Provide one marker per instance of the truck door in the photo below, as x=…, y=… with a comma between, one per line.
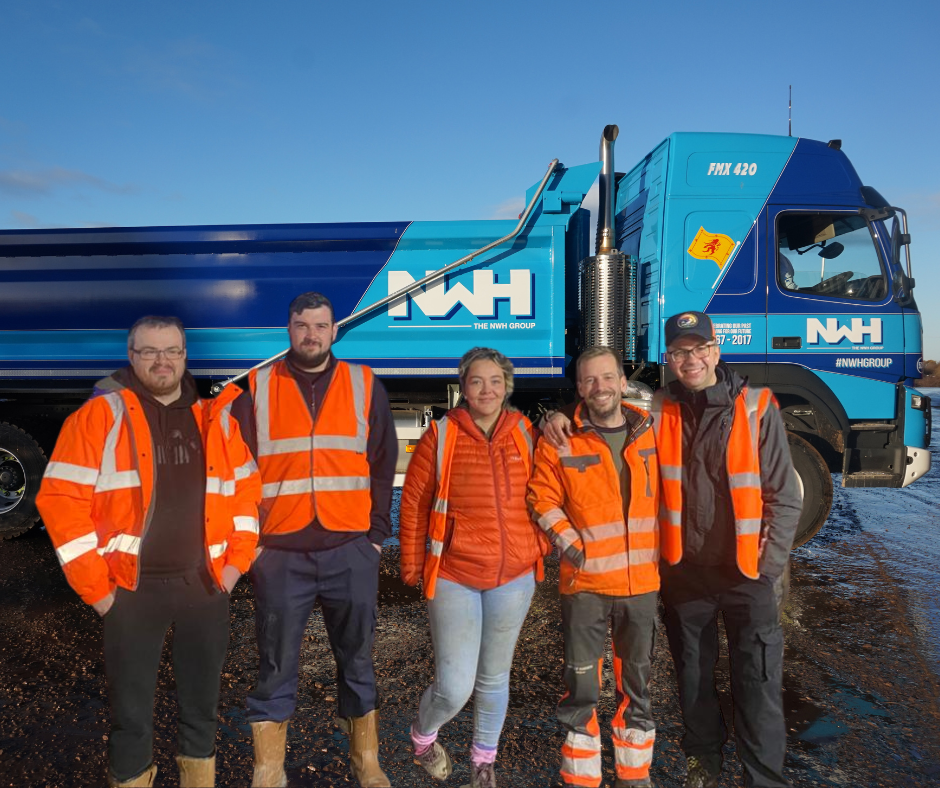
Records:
x=830, y=305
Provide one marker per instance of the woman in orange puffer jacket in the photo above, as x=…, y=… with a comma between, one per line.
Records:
x=465, y=492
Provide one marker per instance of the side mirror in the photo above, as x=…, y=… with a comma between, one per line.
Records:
x=832, y=251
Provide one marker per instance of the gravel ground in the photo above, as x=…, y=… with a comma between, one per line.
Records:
x=863, y=704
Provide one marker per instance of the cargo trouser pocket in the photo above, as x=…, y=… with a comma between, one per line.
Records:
x=769, y=653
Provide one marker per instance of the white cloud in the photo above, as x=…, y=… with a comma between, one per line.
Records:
x=509, y=209
x=34, y=183
x=27, y=221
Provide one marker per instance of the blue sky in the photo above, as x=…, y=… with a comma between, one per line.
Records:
x=145, y=113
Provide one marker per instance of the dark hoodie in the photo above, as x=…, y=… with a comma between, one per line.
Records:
x=173, y=542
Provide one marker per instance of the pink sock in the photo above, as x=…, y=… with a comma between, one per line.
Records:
x=422, y=741
x=480, y=754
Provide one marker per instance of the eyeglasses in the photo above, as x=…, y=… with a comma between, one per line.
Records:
x=699, y=351
x=150, y=353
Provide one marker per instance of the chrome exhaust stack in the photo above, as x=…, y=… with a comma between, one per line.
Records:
x=608, y=279
x=606, y=241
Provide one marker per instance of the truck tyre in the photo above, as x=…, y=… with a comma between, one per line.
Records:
x=816, y=482
x=22, y=463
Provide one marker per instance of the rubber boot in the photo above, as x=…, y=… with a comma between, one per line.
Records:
x=270, y=746
x=364, y=750
x=196, y=772
x=143, y=780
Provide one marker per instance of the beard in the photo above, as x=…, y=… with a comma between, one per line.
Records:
x=310, y=357
x=160, y=385
x=600, y=412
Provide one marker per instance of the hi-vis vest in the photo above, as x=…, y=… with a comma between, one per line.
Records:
x=743, y=468
x=577, y=500
x=313, y=469
x=445, y=435
x=96, y=497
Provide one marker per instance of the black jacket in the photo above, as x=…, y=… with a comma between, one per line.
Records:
x=707, y=516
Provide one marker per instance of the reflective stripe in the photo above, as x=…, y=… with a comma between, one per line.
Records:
x=121, y=480
x=525, y=434
x=245, y=523
x=109, y=454
x=607, y=563
x=647, y=556
x=225, y=420
x=217, y=550
x=633, y=757
x=672, y=473
x=437, y=547
x=738, y=480
x=246, y=470
x=595, y=533
x=583, y=741
x=76, y=548
x=440, y=506
x=565, y=538
x=68, y=472
x=317, y=484
x=582, y=767
x=671, y=517
x=551, y=517
x=215, y=486
x=747, y=527
x=634, y=736
x=643, y=525
x=441, y=442
x=122, y=543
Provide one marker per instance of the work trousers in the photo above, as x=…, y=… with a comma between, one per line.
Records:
x=474, y=634
x=633, y=626
x=134, y=630
x=287, y=585
x=693, y=597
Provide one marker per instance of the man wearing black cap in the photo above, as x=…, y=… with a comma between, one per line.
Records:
x=731, y=503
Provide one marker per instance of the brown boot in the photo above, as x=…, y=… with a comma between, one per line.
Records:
x=270, y=746
x=364, y=750
x=196, y=772
x=143, y=780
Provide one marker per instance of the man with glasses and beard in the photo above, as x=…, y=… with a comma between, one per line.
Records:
x=322, y=432
x=151, y=501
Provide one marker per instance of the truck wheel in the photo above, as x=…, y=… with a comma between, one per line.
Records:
x=22, y=462
x=816, y=483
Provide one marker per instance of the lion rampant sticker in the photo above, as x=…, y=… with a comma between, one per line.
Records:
x=712, y=246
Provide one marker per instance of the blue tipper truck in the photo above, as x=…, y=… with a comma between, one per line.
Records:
x=797, y=262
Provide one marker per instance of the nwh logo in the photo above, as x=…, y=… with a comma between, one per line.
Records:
x=833, y=333
x=435, y=300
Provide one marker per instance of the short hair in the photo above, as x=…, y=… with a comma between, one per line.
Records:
x=597, y=352
x=486, y=354
x=311, y=300
x=155, y=321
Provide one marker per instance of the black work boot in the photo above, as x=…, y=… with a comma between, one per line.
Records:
x=703, y=772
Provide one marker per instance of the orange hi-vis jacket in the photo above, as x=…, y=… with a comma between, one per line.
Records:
x=96, y=494
x=313, y=469
x=743, y=467
x=575, y=496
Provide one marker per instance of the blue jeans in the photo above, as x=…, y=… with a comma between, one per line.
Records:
x=474, y=635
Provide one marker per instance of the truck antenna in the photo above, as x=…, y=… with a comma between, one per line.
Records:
x=790, y=113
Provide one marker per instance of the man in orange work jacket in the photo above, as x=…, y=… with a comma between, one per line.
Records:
x=151, y=501
x=323, y=435
x=730, y=507
x=597, y=501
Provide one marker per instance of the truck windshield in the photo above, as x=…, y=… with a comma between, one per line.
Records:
x=828, y=254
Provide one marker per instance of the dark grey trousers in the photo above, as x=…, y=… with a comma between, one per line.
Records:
x=693, y=597
x=585, y=619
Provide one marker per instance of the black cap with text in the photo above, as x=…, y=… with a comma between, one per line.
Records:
x=689, y=324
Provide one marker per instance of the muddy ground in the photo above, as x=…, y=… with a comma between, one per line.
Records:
x=862, y=700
